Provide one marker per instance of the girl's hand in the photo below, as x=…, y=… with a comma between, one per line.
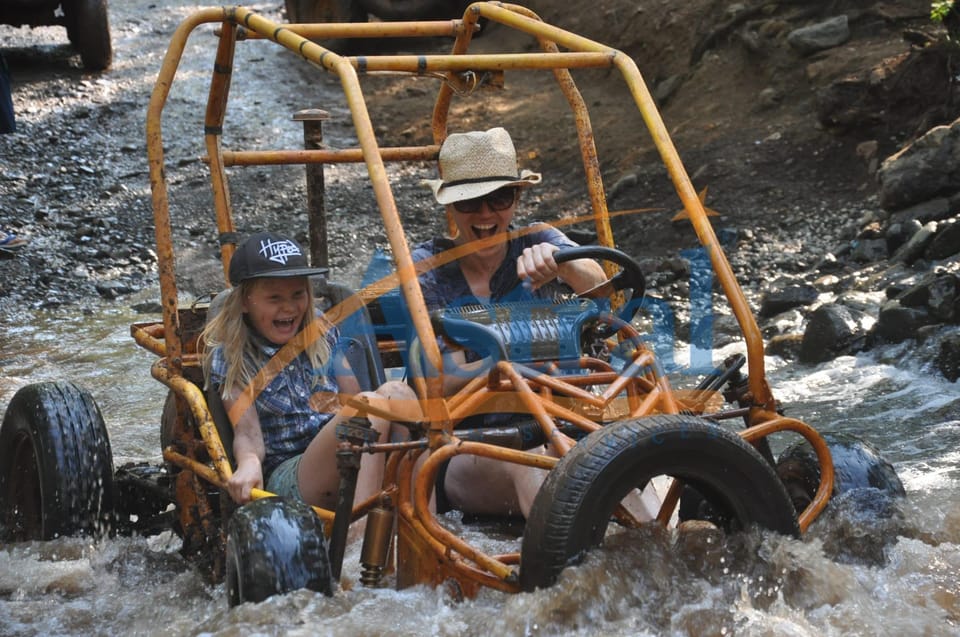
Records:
x=536, y=266
x=248, y=476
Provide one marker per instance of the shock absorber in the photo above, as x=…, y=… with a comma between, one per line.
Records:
x=376, y=543
x=352, y=435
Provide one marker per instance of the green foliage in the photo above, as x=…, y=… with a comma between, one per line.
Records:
x=939, y=9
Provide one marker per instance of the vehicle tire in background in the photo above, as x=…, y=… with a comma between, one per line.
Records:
x=573, y=508
x=56, y=466
x=275, y=546
x=88, y=29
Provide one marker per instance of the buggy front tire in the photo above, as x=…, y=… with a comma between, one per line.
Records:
x=573, y=508
x=275, y=546
x=56, y=466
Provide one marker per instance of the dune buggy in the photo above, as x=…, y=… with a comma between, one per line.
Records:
x=87, y=23
x=578, y=373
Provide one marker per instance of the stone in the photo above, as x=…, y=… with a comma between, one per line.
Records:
x=948, y=358
x=786, y=346
x=897, y=323
x=946, y=242
x=869, y=250
x=914, y=248
x=820, y=36
x=922, y=170
x=831, y=331
x=787, y=298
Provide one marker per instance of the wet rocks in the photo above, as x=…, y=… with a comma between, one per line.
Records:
x=923, y=170
x=831, y=330
x=948, y=357
x=787, y=298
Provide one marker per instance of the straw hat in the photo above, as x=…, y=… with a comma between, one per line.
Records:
x=477, y=163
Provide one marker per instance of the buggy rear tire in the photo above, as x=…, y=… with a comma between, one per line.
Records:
x=275, y=546
x=88, y=29
x=573, y=508
x=56, y=466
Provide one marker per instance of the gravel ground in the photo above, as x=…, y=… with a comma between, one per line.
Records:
x=74, y=180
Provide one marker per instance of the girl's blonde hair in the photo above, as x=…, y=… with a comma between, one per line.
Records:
x=229, y=329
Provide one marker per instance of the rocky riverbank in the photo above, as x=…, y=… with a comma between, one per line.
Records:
x=786, y=113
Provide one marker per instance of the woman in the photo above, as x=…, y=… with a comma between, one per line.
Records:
x=480, y=185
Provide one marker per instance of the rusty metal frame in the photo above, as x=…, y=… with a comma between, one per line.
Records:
x=646, y=390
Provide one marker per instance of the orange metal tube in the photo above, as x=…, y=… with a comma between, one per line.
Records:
x=158, y=186
x=406, y=510
x=149, y=337
x=210, y=475
x=427, y=478
x=820, y=447
x=334, y=30
x=198, y=406
x=213, y=132
x=560, y=443
x=326, y=156
x=419, y=64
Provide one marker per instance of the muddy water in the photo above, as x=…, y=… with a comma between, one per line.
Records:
x=868, y=576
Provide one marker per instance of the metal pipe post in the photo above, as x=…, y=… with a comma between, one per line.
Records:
x=312, y=119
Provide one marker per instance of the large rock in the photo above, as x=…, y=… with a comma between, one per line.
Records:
x=946, y=242
x=787, y=298
x=937, y=294
x=831, y=331
x=923, y=170
x=914, y=248
x=820, y=36
x=948, y=358
x=897, y=322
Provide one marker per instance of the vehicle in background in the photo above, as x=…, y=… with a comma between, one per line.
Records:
x=86, y=21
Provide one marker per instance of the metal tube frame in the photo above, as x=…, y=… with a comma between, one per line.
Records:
x=647, y=389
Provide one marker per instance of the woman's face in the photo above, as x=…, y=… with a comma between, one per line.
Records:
x=485, y=217
x=276, y=307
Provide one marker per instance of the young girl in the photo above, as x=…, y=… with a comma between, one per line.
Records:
x=285, y=442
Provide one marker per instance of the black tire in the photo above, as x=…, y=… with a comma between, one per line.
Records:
x=275, y=546
x=56, y=466
x=573, y=508
x=88, y=29
x=856, y=465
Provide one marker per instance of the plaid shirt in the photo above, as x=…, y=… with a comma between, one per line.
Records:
x=287, y=421
x=446, y=286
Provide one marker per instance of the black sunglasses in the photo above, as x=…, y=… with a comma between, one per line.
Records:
x=499, y=199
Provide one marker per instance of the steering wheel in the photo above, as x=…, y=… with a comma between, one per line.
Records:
x=630, y=276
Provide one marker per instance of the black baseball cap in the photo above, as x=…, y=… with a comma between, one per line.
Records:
x=267, y=254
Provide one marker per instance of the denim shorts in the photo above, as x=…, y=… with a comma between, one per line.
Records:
x=283, y=480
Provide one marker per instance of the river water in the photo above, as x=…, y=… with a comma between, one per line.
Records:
x=872, y=577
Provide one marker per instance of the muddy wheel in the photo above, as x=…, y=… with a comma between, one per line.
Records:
x=56, y=467
x=88, y=29
x=275, y=546
x=573, y=508
x=856, y=464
